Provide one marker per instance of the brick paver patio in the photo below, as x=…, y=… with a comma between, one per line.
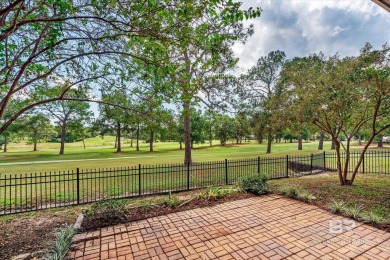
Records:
x=266, y=227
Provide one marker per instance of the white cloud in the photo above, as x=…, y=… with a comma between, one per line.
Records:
x=336, y=30
x=300, y=28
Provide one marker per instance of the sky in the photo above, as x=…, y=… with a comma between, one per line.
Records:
x=300, y=28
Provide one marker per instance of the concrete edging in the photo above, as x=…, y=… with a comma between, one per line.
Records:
x=79, y=222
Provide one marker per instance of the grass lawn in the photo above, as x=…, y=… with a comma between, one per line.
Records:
x=370, y=191
x=100, y=154
x=60, y=189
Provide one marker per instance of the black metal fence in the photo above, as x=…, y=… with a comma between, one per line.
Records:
x=30, y=192
x=374, y=162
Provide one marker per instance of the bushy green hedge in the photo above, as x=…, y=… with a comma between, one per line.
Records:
x=255, y=184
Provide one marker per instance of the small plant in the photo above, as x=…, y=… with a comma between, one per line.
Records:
x=107, y=209
x=217, y=192
x=306, y=196
x=296, y=192
x=172, y=200
x=290, y=191
x=337, y=206
x=354, y=211
x=146, y=206
x=62, y=244
x=255, y=184
x=373, y=217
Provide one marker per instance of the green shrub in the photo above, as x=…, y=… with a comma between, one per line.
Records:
x=217, y=192
x=296, y=192
x=171, y=201
x=353, y=211
x=373, y=217
x=255, y=184
x=289, y=191
x=337, y=206
x=62, y=244
x=108, y=209
x=305, y=196
x=146, y=206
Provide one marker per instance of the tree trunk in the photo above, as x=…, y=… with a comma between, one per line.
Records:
x=299, y=142
x=118, y=135
x=131, y=140
x=360, y=140
x=151, y=141
x=211, y=137
x=181, y=145
x=35, y=140
x=63, y=133
x=346, y=162
x=192, y=144
x=338, y=155
x=137, y=136
x=84, y=143
x=116, y=140
x=355, y=171
x=321, y=142
x=269, y=143
x=5, y=143
x=333, y=146
x=380, y=141
x=187, y=133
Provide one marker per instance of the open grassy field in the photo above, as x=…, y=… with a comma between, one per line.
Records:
x=99, y=153
x=41, y=179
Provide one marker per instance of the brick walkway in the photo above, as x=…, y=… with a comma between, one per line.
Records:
x=266, y=227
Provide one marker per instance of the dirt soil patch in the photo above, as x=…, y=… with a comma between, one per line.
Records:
x=29, y=233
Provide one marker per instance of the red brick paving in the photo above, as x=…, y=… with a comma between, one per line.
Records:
x=266, y=227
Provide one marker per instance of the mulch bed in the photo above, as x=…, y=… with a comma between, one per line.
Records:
x=139, y=213
x=28, y=235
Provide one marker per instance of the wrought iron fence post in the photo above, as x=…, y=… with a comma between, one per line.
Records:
x=287, y=166
x=324, y=161
x=226, y=171
x=188, y=175
x=258, y=165
x=78, y=185
x=311, y=163
x=139, y=180
x=363, y=163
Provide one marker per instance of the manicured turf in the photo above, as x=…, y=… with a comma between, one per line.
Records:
x=101, y=154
